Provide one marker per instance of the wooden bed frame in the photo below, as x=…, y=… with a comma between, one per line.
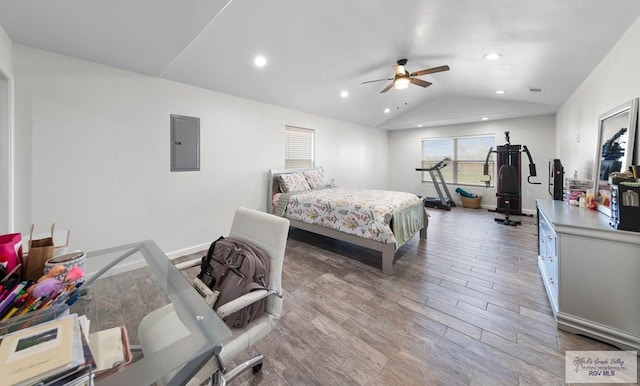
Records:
x=388, y=249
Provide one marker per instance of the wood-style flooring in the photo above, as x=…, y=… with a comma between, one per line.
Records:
x=465, y=307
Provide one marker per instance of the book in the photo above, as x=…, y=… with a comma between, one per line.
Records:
x=39, y=352
x=80, y=375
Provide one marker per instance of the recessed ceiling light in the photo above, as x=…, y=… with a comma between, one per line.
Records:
x=492, y=56
x=260, y=61
x=387, y=110
x=344, y=93
x=500, y=92
x=420, y=125
x=484, y=118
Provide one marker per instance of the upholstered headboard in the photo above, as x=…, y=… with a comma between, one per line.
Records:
x=274, y=182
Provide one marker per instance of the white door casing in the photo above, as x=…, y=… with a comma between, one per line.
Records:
x=6, y=154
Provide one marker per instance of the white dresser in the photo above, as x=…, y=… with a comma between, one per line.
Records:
x=591, y=273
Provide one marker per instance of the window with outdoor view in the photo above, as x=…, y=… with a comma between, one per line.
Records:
x=468, y=155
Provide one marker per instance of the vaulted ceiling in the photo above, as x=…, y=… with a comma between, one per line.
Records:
x=317, y=49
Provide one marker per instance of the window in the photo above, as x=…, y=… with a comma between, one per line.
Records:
x=468, y=155
x=298, y=147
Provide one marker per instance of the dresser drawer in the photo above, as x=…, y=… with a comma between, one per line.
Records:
x=548, y=259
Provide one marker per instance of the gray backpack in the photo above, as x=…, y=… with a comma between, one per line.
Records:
x=234, y=268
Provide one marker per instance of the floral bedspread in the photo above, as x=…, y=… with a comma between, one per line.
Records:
x=361, y=212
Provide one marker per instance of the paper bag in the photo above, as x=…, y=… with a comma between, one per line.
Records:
x=40, y=251
x=10, y=250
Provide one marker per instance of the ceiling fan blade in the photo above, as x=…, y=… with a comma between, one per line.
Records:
x=387, y=88
x=377, y=80
x=419, y=82
x=430, y=71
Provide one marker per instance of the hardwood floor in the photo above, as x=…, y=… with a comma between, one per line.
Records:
x=465, y=307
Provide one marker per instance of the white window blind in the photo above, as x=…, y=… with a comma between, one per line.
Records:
x=298, y=147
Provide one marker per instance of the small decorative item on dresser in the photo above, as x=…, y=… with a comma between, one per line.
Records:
x=625, y=206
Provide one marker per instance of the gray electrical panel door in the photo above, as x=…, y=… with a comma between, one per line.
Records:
x=185, y=143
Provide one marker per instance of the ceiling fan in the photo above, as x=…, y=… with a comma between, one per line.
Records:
x=403, y=78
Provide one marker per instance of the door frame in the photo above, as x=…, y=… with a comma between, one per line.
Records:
x=7, y=147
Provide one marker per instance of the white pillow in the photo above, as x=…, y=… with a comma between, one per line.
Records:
x=315, y=178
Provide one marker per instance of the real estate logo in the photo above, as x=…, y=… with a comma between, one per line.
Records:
x=601, y=367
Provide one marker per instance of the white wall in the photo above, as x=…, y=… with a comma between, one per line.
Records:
x=537, y=133
x=614, y=81
x=99, y=143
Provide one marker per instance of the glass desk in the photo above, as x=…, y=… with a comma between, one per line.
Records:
x=127, y=282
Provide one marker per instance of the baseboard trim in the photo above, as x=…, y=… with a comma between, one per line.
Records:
x=138, y=261
x=187, y=251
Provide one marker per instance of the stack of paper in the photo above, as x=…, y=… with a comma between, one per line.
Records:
x=44, y=353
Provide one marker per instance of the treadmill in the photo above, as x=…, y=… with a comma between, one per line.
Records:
x=442, y=201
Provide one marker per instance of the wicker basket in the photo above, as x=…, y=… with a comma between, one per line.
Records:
x=473, y=203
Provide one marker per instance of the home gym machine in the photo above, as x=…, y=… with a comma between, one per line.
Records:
x=442, y=202
x=509, y=185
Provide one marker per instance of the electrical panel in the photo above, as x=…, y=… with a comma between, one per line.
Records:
x=185, y=143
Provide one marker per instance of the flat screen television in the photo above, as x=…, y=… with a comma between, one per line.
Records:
x=556, y=177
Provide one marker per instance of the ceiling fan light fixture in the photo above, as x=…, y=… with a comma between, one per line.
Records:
x=401, y=82
x=403, y=78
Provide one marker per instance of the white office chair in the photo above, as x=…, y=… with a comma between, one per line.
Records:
x=163, y=326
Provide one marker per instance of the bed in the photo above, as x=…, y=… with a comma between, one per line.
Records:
x=375, y=219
